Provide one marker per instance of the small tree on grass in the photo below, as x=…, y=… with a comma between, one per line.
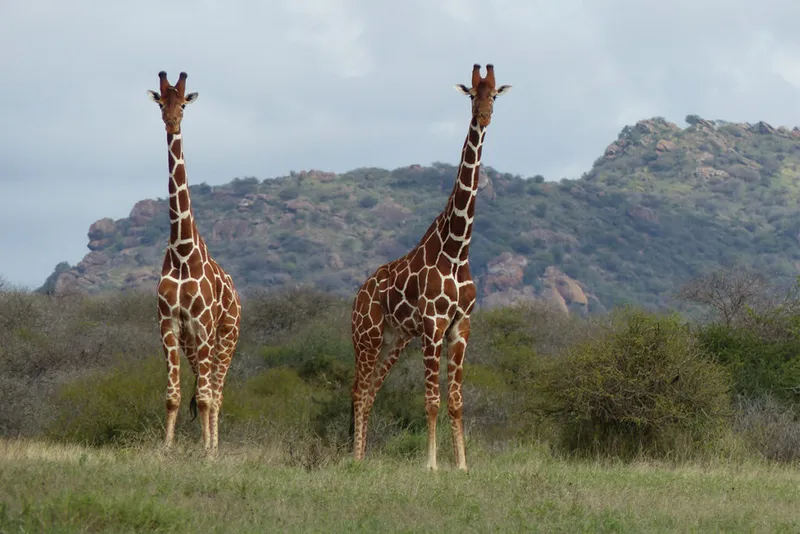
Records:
x=640, y=387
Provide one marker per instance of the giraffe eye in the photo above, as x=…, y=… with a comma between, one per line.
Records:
x=183, y=106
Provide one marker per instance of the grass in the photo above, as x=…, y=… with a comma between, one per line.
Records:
x=56, y=488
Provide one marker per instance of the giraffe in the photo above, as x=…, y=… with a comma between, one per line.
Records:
x=427, y=293
x=198, y=306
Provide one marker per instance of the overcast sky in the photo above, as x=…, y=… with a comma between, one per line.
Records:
x=339, y=84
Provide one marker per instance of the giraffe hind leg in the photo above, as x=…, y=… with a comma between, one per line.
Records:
x=363, y=385
x=190, y=351
x=227, y=336
x=367, y=325
x=393, y=347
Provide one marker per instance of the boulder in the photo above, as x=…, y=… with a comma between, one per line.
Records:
x=706, y=172
x=503, y=272
x=143, y=211
x=563, y=291
x=298, y=204
x=102, y=229
x=665, y=145
x=643, y=213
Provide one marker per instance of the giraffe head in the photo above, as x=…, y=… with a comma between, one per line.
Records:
x=483, y=93
x=172, y=100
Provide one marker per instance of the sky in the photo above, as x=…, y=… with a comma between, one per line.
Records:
x=340, y=84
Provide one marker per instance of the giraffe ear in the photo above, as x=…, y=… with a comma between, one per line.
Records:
x=463, y=89
x=503, y=89
x=191, y=97
x=155, y=97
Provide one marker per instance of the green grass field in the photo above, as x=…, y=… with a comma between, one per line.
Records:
x=57, y=488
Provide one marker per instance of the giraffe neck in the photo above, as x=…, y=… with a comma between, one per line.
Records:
x=181, y=220
x=456, y=219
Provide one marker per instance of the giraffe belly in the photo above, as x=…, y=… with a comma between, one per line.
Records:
x=408, y=318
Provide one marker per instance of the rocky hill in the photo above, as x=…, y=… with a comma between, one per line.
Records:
x=662, y=205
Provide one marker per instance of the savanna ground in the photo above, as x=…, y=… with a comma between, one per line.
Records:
x=70, y=488
x=629, y=422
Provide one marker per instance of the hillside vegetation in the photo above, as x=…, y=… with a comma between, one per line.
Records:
x=662, y=205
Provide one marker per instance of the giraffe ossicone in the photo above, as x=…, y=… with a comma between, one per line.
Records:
x=199, y=308
x=427, y=293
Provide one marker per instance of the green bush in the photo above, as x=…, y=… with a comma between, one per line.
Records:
x=321, y=355
x=760, y=365
x=268, y=317
x=407, y=445
x=277, y=397
x=642, y=386
x=115, y=406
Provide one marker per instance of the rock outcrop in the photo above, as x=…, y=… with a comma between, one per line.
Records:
x=503, y=285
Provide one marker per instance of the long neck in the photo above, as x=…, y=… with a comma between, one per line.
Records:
x=181, y=220
x=456, y=219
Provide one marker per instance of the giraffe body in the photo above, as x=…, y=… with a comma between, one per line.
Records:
x=198, y=306
x=427, y=293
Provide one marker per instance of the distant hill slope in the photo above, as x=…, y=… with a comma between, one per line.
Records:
x=660, y=206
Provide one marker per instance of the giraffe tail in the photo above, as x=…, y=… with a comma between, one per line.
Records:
x=193, y=402
x=351, y=431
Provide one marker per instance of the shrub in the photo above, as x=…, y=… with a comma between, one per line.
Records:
x=46, y=342
x=268, y=317
x=114, y=406
x=367, y=201
x=641, y=386
x=277, y=397
x=321, y=354
x=759, y=365
x=406, y=445
x=769, y=427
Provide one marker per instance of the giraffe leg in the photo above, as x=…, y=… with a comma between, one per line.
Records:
x=204, y=393
x=363, y=392
x=189, y=350
x=226, y=345
x=390, y=353
x=169, y=343
x=432, y=350
x=387, y=356
x=367, y=323
x=457, y=338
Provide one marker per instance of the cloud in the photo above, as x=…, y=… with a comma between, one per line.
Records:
x=444, y=128
x=332, y=30
x=339, y=84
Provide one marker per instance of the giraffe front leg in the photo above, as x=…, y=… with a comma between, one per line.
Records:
x=169, y=343
x=457, y=338
x=204, y=394
x=432, y=350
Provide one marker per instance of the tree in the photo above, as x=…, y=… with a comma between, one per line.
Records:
x=728, y=293
x=692, y=119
